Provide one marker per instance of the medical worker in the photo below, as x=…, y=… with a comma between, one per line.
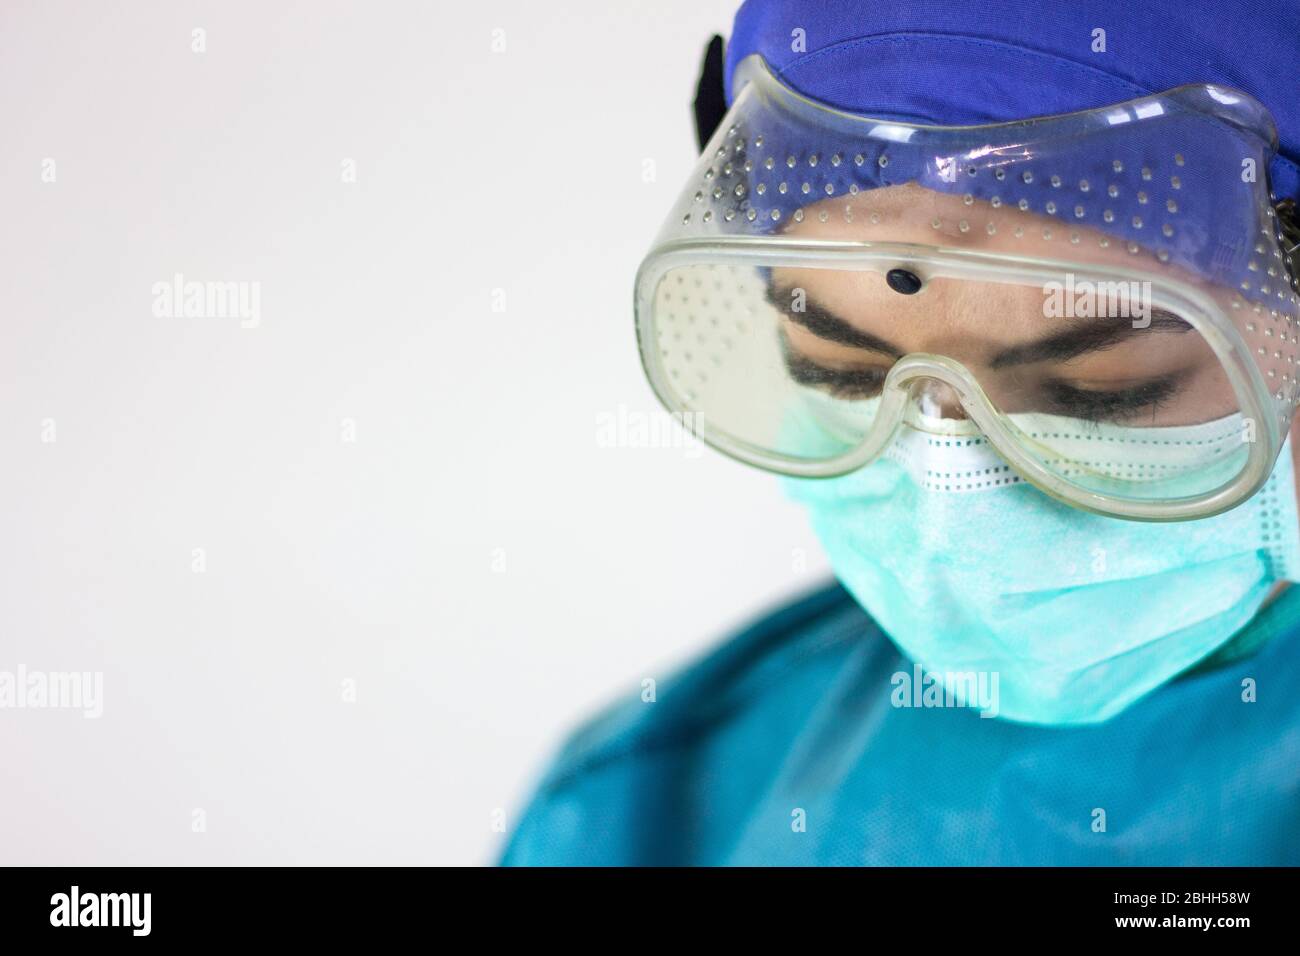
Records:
x=1006, y=293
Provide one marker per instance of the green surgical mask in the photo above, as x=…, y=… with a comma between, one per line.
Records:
x=1071, y=616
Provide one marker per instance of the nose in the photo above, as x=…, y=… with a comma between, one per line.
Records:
x=937, y=399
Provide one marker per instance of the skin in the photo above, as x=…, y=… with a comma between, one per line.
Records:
x=1163, y=375
x=990, y=327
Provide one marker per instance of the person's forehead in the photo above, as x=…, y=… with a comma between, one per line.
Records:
x=909, y=213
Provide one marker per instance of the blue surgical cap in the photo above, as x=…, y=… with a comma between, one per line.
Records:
x=952, y=63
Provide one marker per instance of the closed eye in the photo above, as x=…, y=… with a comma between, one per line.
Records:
x=852, y=384
x=1111, y=405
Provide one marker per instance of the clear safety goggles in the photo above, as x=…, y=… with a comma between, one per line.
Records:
x=1105, y=297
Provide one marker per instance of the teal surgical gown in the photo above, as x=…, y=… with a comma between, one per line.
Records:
x=784, y=747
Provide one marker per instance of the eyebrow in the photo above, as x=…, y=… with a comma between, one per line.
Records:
x=1086, y=337
x=825, y=324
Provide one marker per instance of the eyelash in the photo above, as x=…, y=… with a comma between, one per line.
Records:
x=1085, y=404
x=1118, y=406
x=848, y=384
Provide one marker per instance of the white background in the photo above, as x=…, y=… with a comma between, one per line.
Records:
x=483, y=569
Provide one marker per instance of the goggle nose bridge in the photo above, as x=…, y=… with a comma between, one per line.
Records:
x=898, y=393
x=918, y=367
